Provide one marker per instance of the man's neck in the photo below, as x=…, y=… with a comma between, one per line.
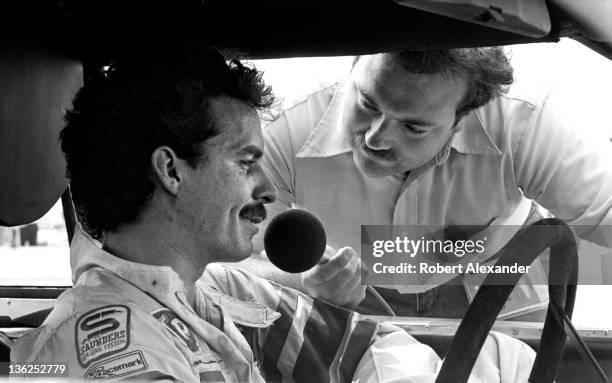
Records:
x=152, y=246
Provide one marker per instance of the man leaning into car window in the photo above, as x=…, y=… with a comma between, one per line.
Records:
x=432, y=138
x=163, y=154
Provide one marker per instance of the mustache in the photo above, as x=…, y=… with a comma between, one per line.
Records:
x=387, y=155
x=254, y=210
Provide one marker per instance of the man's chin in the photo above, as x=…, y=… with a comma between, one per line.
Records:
x=237, y=253
x=371, y=168
x=245, y=251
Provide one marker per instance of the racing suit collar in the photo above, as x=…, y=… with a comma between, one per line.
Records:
x=329, y=138
x=163, y=283
x=86, y=253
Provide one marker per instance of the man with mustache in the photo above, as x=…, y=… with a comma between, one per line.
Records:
x=432, y=138
x=163, y=153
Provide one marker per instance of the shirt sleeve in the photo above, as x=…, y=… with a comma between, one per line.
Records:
x=278, y=163
x=278, y=160
x=566, y=166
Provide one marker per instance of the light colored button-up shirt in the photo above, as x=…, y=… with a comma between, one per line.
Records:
x=527, y=144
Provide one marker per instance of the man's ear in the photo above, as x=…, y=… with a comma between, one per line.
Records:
x=167, y=168
x=459, y=124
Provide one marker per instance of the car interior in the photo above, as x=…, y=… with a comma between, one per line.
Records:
x=49, y=48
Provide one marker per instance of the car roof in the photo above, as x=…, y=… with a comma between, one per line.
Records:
x=276, y=28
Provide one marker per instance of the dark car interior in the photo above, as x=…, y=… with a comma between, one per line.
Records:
x=48, y=49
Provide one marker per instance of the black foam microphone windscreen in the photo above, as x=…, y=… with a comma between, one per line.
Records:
x=295, y=241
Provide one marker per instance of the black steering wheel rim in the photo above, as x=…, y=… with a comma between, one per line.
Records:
x=523, y=249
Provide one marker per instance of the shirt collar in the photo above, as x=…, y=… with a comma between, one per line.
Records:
x=329, y=138
x=85, y=253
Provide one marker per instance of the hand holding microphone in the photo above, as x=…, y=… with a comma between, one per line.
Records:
x=336, y=278
x=295, y=242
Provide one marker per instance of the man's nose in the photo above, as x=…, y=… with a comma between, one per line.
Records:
x=378, y=137
x=264, y=191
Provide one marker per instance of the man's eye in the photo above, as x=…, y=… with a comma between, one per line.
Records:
x=415, y=131
x=368, y=105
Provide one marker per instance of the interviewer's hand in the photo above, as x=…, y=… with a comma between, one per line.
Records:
x=337, y=278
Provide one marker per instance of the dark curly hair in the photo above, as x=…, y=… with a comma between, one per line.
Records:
x=149, y=97
x=487, y=71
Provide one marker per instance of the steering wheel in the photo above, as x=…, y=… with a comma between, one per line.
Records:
x=522, y=249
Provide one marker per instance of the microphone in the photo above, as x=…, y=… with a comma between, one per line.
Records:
x=295, y=241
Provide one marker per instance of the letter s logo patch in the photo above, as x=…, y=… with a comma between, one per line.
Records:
x=102, y=332
x=102, y=320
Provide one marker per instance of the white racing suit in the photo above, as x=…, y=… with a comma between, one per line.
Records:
x=129, y=320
